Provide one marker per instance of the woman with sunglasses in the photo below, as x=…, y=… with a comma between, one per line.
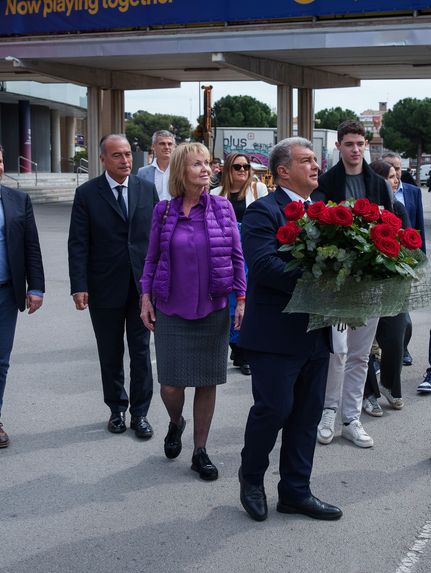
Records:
x=240, y=188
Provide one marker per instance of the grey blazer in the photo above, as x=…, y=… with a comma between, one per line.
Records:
x=147, y=173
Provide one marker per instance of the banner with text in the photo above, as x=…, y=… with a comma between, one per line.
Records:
x=20, y=17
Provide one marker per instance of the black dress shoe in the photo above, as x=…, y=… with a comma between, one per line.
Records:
x=173, y=445
x=407, y=359
x=253, y=499
x=245, y=369
x=142, y=427
x=117, y=422
x=203, y=465
x=310, y=506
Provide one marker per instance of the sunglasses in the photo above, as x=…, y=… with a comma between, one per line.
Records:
x=239, y=166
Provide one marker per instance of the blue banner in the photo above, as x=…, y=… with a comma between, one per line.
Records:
x=19, y=17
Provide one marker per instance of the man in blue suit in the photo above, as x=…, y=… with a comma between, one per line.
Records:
x=288, y=364
x=411, y=197
x=22, y=280
x=163, y=143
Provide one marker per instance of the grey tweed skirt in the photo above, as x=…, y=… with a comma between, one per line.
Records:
x=192, y=352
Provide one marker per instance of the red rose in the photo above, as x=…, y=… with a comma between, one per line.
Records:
x=342, y=216
x=361, y=207
x=410, y=238
x=387, y=246
x=294, y=210
x=391, y=219
x=315, y=209
x=326, y=216
x=373, y=213
x=287, y=234
x=382, y=231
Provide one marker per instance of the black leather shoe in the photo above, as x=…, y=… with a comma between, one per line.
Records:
x=142, y=427
x=253, y=499
x=245, y=369
x=117, y=422
x=203, y=465
x=173, y=445
x=407, y=359
x=310, y=506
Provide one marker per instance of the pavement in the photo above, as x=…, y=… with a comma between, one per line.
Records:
x=76, y=499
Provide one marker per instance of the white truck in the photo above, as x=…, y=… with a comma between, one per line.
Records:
x=256, y=143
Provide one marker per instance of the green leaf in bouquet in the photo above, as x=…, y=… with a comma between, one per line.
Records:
x=291, y=265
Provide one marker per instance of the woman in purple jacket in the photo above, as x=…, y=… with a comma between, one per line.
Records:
x=194, y=261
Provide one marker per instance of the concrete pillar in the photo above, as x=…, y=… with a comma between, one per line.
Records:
x=69, y=149
x=112, y=111
x=284, y=112
x=305, y=112
x=94, y=127
x=55, y=142
x=24, y=120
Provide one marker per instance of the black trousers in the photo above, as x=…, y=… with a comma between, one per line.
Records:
x=109, y=325
x=390, y=336
x=288, y=393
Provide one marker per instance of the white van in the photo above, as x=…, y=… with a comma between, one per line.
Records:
x=425, y=172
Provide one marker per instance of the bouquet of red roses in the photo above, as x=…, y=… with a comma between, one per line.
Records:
x=356, y=254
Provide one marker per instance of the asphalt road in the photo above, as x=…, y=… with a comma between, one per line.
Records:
x=75, y=498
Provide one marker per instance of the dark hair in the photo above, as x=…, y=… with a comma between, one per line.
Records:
x=381, y=167
x=1, y=148
x=349, y=126
x=215, y=160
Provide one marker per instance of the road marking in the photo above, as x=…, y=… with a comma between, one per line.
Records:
x=414, y=554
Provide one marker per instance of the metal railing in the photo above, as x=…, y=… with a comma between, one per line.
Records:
x=32, y=163
x=82, y=168
x=13, y=179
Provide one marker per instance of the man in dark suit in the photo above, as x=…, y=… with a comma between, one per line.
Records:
x=288, y=364
x=108, y=240
x=411, y=197
x=22, y=282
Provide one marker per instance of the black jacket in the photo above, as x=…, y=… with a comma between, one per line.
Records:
x=104, y=248
x=332, y=186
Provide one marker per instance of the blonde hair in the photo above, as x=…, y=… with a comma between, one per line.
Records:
x=178, y=165
x=226, y=178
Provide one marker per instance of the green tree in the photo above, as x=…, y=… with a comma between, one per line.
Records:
x=407, y=129
x=330, y=118
x=143, y=124
x=243, y=111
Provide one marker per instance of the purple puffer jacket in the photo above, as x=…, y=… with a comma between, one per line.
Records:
x=220, y=225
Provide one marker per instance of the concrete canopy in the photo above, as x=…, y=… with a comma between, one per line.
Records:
x=305, y=55
x=341, y=52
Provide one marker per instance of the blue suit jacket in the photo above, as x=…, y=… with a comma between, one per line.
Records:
x=265, y=327
x=22, y=243
x=413, y=204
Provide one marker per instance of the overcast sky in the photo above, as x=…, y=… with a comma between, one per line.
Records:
x=185, y=100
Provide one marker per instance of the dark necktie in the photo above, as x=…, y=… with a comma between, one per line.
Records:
x=307, y=204
x=121, y=201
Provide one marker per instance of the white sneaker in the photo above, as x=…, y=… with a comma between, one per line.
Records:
x=356, y=434
x=372, y=407
x=326, y=428
x=396, y=403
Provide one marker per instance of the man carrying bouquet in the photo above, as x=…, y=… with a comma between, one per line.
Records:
x=288, y=364
x=351, y=177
